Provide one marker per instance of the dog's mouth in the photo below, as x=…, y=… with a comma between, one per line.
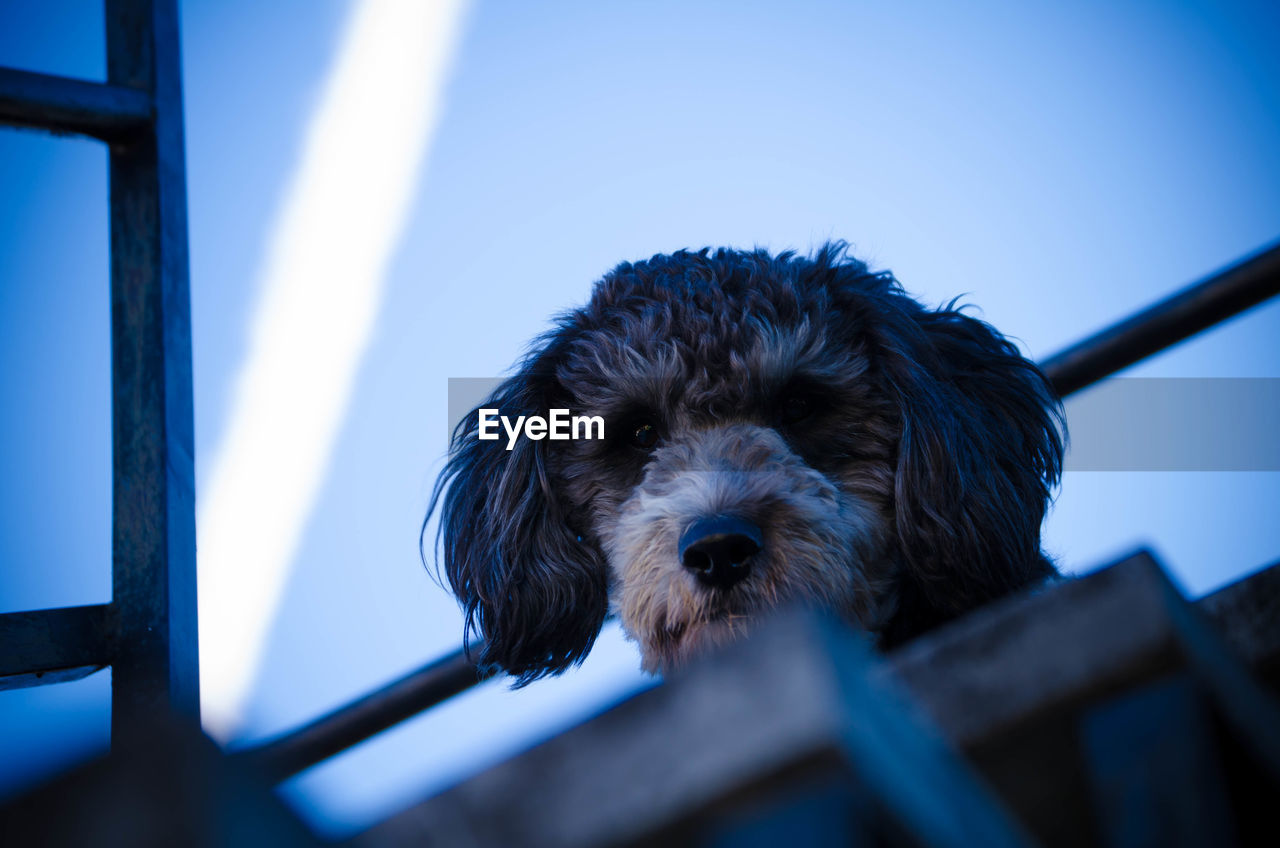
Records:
x=678, y=637
x=667, y=640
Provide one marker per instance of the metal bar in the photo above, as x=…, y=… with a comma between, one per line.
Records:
x=357, y=721
x=40, y=642
x=45, y=678
x=63, y=105
x=155, y=668
x=1167, y=322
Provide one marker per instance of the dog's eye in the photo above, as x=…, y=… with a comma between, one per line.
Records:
x=644, y=436
x=795, y=408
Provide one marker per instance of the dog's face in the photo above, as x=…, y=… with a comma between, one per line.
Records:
x=775, y=429
x=748, y=459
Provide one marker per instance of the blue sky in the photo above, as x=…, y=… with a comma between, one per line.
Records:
x=1058, y=164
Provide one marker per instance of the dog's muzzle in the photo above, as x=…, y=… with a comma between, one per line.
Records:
x=719, y=550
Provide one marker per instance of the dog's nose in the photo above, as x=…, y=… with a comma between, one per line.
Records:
x=719, y=550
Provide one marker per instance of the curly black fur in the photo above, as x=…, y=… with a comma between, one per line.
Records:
x=939, y=442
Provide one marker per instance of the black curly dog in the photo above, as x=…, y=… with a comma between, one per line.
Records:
x=776, y=428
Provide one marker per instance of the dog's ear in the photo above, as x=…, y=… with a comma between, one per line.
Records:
x=982, y=439
x=534, y=592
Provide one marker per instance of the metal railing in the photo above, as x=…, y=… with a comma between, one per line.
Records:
x=1161, y=325
x=1198, y=307
x=367, y=716
x=147, y=633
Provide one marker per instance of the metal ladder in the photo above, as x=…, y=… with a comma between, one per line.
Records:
x=147, y=633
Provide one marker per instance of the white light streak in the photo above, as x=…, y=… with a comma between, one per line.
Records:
x=319, y=293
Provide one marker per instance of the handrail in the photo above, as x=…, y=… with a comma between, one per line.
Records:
x=1164, y=323
x=366, y=716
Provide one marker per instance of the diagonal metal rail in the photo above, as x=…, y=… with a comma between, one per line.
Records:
x=1161, y=325
x=1194, y=309
x=367, y=716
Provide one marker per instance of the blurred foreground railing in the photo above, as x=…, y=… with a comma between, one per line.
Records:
x=1104, y=710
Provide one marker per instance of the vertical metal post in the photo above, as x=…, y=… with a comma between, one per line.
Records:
x=155, y=665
